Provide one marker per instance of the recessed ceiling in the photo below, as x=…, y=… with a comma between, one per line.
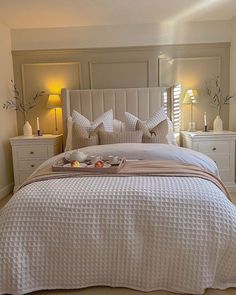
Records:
x=73, y=13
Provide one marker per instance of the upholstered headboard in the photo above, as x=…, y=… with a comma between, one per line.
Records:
x=91, y=103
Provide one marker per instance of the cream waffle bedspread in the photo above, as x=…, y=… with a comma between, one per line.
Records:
x=142, y=232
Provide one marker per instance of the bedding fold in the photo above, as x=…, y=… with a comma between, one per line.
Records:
x=159, y=168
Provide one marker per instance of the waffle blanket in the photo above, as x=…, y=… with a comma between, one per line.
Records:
x=141, y=232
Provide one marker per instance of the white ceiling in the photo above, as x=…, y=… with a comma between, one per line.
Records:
x=73, y=13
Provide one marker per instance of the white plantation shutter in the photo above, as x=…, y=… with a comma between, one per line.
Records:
x=165, y=101
x=171, y=103
x=176, y=117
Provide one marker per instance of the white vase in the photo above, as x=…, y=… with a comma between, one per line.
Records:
x=218, y=124
x=27, y=129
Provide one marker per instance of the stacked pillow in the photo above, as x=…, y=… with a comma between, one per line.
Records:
x=82, y=132
x=157, y=129
x=131, y=120
x=156, y=135
x=82, y=138
x=85, y=132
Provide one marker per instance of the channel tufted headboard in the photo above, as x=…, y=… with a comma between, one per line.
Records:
x=91, y=103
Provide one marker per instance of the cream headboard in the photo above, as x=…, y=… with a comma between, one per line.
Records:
x=91, y=103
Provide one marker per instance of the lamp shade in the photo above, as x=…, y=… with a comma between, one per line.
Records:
x=191, y=96
x=54, y=101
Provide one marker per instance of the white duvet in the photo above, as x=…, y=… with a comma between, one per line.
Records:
x=146, y=233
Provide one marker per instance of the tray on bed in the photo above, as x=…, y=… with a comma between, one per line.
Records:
x=63, y=166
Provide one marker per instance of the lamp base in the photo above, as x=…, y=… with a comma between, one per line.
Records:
x=56, y=132
x=191, y=127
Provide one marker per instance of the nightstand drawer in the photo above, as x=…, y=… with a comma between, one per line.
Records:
x=33, y=151
x=219, y=147
x=29, y=165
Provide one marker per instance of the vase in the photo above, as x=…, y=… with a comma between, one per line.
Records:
x=27, y=129
x=218, y=124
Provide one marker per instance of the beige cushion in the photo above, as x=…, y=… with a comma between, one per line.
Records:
x=159, y=134
x=161, y=131
x=82, y=138
x=148, y=136
x=120, y=137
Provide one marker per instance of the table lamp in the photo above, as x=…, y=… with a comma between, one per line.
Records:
x=54, y=102
x=191, y=97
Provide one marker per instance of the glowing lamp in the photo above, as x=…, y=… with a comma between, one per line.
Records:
x=54, y=102
x=191, y=97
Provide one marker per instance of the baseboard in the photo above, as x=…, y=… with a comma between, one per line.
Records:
x=6, y=190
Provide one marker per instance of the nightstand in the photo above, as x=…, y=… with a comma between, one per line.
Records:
x=218, y=146
x=29, y=152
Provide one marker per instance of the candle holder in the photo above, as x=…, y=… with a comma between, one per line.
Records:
x=39, y=133
x=205, y=128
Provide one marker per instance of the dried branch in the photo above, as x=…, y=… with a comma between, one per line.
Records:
x=17, y=103
x=213, y=90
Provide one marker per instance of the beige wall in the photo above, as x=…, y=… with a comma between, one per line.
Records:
x=192, y=73
x=121, y=67
x=7, y=118
x=121, y=35
x=232, y=117
x=49, y=77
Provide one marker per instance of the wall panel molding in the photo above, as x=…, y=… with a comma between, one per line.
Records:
x=144, y=61
x=126, y=64
x=117, y=49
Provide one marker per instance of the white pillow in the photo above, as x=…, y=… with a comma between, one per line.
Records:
x=131, y=120
x=118, y=126
x=106, y=119
x=171, y=138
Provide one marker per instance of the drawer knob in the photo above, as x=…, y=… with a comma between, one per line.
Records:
x=31, y=153
x=32, y=165
x=214, y=149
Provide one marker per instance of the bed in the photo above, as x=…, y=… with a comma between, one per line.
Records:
x=147, y=232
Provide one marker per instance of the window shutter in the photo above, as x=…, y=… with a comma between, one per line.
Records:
x=171, y=103
x=176, y=119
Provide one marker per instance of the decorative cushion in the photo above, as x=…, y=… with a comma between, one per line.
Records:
x=161, y=133
x=131, y=120
x=148, y=136
x=69, y=134
x=82, y=138
x=106, y=119
x=120, y=137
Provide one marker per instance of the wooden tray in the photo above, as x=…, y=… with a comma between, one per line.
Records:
x=59, y=167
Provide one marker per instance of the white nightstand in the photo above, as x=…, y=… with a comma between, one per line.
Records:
x=29, y=152
x=218, y=146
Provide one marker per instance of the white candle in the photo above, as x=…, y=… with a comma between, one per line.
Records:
x=38, y=123
x=205, y=119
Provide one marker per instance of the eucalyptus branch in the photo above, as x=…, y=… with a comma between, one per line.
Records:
x=18, y=104
x=213, y=90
